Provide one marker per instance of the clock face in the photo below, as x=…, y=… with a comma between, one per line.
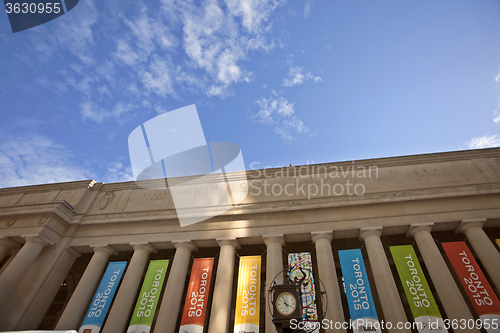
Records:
x=286, y=304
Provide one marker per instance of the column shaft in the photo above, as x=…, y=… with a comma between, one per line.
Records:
x=127, y=294
x=4, y=250
x=172, y=298
x=449, y=294
x=14, y=273
x=221, y=300
x=82, y=296
x=274, y=265
x=328, y=274
x=6, y=245
x=387, y=291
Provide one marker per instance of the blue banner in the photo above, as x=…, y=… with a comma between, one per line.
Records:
x=359, y=294
x=103, y=298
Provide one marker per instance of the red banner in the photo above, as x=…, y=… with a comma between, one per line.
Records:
x=478, y=289
x=193, y=316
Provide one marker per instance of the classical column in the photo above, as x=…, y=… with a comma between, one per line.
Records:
x=221, y=300
x=14, y=273
x=127, y=294
x=484, y=248
x=387, y=291
x=172, y=298
x=6, y=245
x=328, y=275
x=449, y=294
x=82, y=296
x=274, y=265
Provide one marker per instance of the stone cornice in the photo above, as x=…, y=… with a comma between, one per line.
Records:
x=60, y=209
x=300, y=205
x=76, y=185
x=379, y=162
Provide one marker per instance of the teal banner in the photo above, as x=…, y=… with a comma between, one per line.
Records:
x=103, y=297
x=359, y=294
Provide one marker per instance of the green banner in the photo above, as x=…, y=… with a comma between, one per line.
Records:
x=145, y=308
x=422, y=303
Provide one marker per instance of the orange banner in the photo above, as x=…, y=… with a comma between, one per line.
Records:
x=193, y=316
x=480, y=292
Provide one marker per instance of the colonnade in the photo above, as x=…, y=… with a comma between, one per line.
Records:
x=449, y=294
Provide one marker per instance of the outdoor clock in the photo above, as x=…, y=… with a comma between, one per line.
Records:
x=286, y=303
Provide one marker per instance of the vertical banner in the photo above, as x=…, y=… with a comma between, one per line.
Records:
x=247, y=313
x=193, y=316
x=422, y=303
x=295, y=262
x=359, y=295
x=103, y=297
x=480, y=292
x=145, y=308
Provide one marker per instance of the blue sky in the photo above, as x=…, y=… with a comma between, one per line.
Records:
x=288, y=81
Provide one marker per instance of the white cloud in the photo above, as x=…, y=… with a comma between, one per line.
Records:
x=497, y=78
x=308, y=8
x=217, y=41
x=91, y=111
x=146, y=34
x=297, y=75
x=485, y=141
x=74, y=34
x=496, y=120
x=117, y=172
x=253, y=13
x=157, y=79
x=33, y=159
x=279, y=112
x=129, y=58
x=125, y=53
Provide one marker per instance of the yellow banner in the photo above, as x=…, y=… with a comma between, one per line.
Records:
x=498, y=242
x=248, y=295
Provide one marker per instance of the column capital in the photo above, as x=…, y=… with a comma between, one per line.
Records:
x=144, y=246
x=469, y=224
x=317, y=235
x=276, y=238
x=37, y=239
x=186, y=244
x=105, y=249
x=71, y=252
x=233, y=242
x=372, y=231
x=416, y=228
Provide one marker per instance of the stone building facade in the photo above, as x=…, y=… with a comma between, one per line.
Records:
x=57, y=239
